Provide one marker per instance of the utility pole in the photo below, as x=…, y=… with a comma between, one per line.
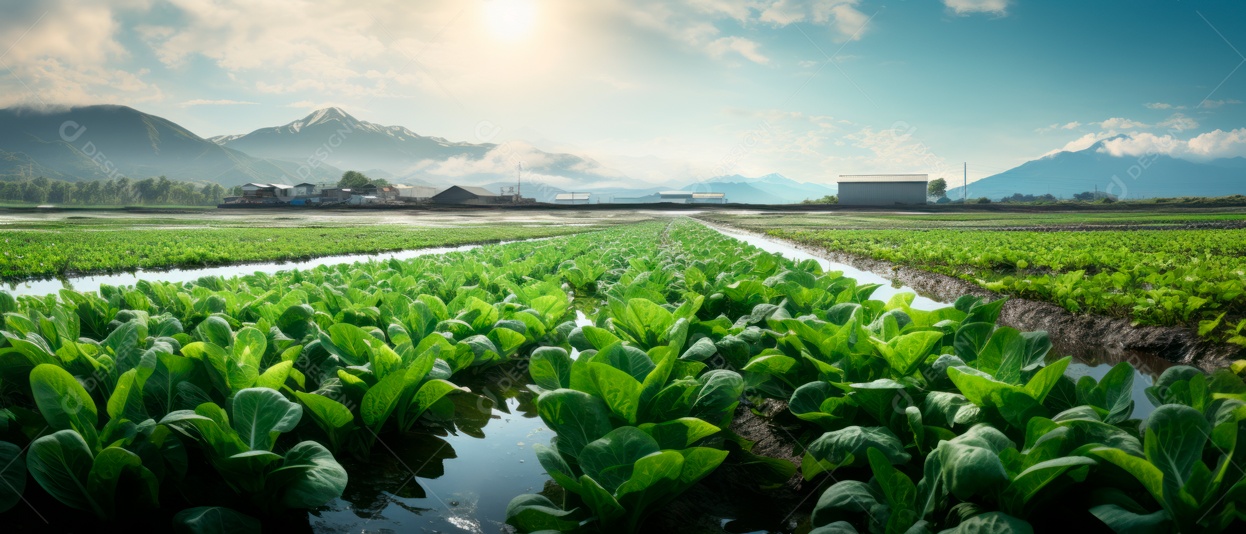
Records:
x=519, y=182
x=964, y=190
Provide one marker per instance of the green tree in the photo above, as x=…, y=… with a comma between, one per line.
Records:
x=353, y=179
x=828, y=199
x=937, y=188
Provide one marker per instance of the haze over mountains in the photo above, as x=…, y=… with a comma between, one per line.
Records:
x=102, y=142
x=1065, y=174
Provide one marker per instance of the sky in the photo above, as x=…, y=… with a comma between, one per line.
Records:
x=670, y=90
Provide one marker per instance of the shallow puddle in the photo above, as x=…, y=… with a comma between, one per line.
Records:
x=457, y=483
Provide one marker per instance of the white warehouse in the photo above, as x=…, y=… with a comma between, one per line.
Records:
x=882, y=189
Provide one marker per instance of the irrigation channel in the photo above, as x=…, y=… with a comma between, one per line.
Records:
x=463, y=482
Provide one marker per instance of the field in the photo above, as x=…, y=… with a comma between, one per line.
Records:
x=70, y=243
x=1149, y=268
x=644, y=374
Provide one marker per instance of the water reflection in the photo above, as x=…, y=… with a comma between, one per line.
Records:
x=453, y=480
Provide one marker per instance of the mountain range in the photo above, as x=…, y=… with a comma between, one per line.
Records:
x=333, y=137
x=1067, y=173
x=102, y=142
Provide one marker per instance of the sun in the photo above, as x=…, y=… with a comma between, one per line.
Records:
x=510, y=19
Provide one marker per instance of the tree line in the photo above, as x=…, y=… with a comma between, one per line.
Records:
x=122, y=191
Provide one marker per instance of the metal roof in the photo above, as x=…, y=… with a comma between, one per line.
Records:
x=572, y=196
x=478, y=191
x=708, y=195
x=685, y=194
x=893, y=178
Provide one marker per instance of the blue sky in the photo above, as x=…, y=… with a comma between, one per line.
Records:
x=670, y=91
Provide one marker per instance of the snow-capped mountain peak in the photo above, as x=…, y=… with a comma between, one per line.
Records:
x=322, y=116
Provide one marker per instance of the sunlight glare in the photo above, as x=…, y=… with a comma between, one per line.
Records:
x=510, y=19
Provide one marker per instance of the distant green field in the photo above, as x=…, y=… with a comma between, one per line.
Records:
x=1155, y=275
x=971, y=220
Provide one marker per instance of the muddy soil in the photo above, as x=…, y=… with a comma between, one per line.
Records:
x=729, y=499
x=1090, y=338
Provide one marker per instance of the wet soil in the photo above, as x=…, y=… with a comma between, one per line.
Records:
x=729, y=500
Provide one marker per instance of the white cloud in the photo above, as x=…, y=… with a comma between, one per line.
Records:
x=1213, y=104
x=843, y=17
x=1209, y=145
x=1178, y=122
x=1117, y=123
x=1066, y=126
x=1140, y=144
x=1081, y=143
x=1158, y=105
x=967, y=7
x=749, y=49
x=1219, y=144
x=896, y=150
x=206, y=102
x=61, y=52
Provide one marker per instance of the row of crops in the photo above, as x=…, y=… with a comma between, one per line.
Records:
x=55, y=249
x=1194, y=278
x=229, y=401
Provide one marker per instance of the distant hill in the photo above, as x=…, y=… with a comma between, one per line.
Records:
x=1067, y=173
x=101, y=142
x=335, y=137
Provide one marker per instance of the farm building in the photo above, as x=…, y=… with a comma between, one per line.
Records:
x=387, y=192
x=306, y=189
x=676, y=197
x=267, y=192
x=336, y=194
x=572, y=198
x=689, y=197
x=466, y=194
x=647, y=199
x=415, y=192
x=882, y=189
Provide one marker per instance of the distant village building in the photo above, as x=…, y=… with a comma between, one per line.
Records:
x=415, y=192
x=689, y=197
x=572, y=198
x=882, y=189
x=257, y=192
x=466, y=194
x=709, y=198
x=387, y=192
x=647, y=199
x=306, y=189
x=336, y=194
x=362, y=200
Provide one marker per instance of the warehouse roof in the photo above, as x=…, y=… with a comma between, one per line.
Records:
x=874, y=178
x=572, y=196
